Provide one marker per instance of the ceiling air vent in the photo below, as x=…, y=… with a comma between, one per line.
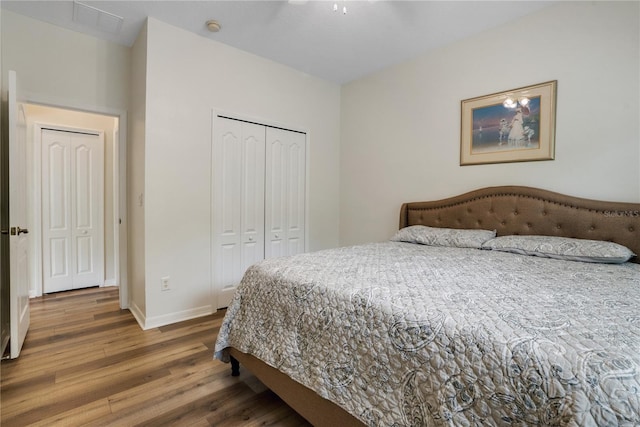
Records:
x=96, y=18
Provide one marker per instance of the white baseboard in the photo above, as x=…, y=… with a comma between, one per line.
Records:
x=110, y=282
x=178, y=316
x=137, y=314
x=167, y=319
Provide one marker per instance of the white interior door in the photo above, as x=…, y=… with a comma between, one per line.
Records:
x=72, y=210
x=285, y=192
x=18, y=252
x=238, y=202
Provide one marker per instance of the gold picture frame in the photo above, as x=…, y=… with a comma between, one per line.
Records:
x=517, y=125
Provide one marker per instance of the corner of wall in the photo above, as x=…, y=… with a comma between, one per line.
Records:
x=136, y=178
x=138, y=314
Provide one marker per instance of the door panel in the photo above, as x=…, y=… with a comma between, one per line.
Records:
x=18, y=240
x=81, y=176
x=275, y=189
x=295, y=245
x=285, y=189
x=296, y=193
x=58, y=177
x=87, y=196
x=84, y=255
x=56, y=215
x=252, y=195
x=252, y=168
x=228, y=159
x=238, y=203
x=59, y=259
x=226, y=209
x=72, y=204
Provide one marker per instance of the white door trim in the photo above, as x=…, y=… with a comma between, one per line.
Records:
x=119, y=180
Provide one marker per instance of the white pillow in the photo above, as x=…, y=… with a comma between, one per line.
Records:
x=562, y=248
x=452, y=237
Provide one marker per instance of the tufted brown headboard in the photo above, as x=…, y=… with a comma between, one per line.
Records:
x=526, y=210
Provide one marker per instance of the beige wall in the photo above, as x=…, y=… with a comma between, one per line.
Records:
x=400, y=133
x=187, y=76
x=64, y=67
x=135, y=175
x=58, y=67
x=374, y=143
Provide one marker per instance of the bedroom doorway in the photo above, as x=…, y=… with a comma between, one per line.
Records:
x=112, y=202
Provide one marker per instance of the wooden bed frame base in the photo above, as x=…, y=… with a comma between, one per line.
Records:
x=508, y=210
x=306, y=402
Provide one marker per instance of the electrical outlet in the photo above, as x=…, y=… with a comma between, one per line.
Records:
x=164, y=283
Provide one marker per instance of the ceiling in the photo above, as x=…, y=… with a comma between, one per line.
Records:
x=306, y=35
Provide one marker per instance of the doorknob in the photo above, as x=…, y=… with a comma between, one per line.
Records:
x=18, y=231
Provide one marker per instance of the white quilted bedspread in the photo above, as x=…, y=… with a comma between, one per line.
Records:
x=400, y=334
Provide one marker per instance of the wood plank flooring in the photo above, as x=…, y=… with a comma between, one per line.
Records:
x=86, y=362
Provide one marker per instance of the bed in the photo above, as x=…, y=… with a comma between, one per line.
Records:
x=446, y=325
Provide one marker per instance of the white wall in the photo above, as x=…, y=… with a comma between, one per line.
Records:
x=64, y=67
x=400, y=135
x=135, y=176
x=74, y=119
x=188, y=76
x=58, y=67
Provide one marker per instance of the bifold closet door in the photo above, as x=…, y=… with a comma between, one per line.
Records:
x=285, y=178
x=72, y=210
x=238, y=202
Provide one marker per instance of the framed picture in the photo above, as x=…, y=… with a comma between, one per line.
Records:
x=517, y=125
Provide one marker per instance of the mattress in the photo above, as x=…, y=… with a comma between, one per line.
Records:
x=400, y=334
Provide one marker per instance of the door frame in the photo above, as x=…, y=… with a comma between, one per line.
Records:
x=38, y=232
x=119, y=183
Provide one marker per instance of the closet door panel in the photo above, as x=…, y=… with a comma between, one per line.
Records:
x=296, y=157
x=258, y=198
x=56, y=215
x=275, y=201
x=227, y=186
x=87, y=215
x=228, y=161
x=252, y=194
x=285, y=192
x=72, y=210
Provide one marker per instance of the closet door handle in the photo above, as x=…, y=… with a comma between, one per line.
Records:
x=16, y=231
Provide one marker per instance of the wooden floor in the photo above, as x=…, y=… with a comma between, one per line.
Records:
x=86, y=362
